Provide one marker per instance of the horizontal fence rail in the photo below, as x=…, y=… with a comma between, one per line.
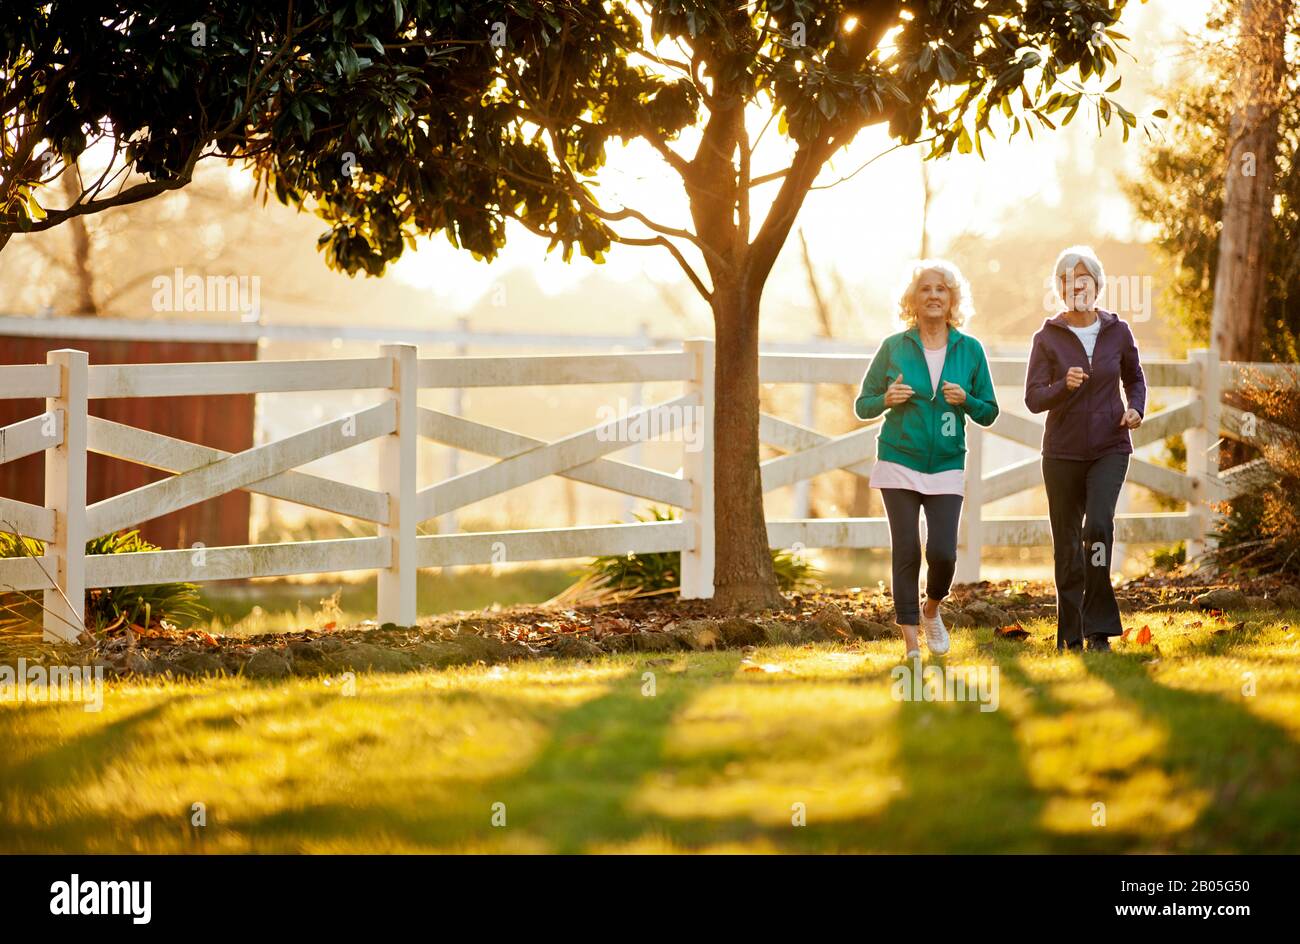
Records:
x=66, y=433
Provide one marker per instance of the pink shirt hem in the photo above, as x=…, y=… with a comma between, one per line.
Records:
x=893, y=475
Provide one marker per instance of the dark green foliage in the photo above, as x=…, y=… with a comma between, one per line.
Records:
x=171, y=81
x=454, y=115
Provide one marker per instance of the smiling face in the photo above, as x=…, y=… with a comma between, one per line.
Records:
x=1079, y=290
x=933, y=298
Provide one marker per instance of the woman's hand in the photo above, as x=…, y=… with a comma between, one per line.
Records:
x=1131, y=419
x=953, y=394
x=1074, y=378
x=897, y=392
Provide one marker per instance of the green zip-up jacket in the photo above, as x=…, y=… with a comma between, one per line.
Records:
x=926, y=433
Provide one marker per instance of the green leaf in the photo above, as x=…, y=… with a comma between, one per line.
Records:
x=34, y=208
x=946, y=70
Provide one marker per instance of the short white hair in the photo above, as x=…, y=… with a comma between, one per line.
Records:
x=1070, y=257
x=962, y=309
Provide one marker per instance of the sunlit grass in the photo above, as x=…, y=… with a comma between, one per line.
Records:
x=1196, y=750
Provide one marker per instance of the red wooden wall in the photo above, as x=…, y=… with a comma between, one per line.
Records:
x=223, y=422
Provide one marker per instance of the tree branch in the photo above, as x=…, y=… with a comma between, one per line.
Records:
x=632, y=241
x=12, y=223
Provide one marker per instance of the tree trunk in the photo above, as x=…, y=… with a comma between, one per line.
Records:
x=1241, y=278
x=83, y=276
x=743, y=574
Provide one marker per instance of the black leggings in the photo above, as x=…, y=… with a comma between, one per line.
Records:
x=942, y=512
x=1081, y=499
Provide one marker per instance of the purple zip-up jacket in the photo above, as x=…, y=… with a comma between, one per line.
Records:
x=1085, y=423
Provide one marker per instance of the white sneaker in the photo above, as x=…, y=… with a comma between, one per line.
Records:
x=936, y=634
x=913, y=654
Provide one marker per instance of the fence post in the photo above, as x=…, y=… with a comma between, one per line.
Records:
x=1203, y=454
x=65, y=494
x=397, y=463
x=971, y=548
x=697, y=565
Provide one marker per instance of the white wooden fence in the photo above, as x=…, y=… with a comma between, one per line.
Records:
x=66, y=432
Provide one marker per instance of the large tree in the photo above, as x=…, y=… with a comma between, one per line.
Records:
x=524, y=123
x=521, y=125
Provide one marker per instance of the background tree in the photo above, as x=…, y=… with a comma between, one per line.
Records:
x=1259, y=50
x=522, y=125
x=1182, y=192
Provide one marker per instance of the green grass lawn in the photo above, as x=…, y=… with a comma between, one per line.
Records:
x=717, y=759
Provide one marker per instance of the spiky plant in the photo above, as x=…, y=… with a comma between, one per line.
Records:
x=178, y=604
x=660, y=572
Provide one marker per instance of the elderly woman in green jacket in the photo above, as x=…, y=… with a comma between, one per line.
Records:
x=927, y=380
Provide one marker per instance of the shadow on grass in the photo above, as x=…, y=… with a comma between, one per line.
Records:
x=965, y=785
x=1250, y=767
x=85, y=756
x=575, y=790
x=579, y=791
x=964, y=788
x=86, y=759
x=1043, y=704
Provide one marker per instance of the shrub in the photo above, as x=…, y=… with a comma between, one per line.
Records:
x=1262, y=528
x=646, y=574
x=177, y=604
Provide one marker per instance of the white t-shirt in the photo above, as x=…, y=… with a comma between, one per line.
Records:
x=934, y=360
x=1088, y=336
x=887, y=474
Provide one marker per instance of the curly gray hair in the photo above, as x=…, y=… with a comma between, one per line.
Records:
x=961, y=309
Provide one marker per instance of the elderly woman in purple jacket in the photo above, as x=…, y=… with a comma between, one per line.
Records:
x=1079, y=361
